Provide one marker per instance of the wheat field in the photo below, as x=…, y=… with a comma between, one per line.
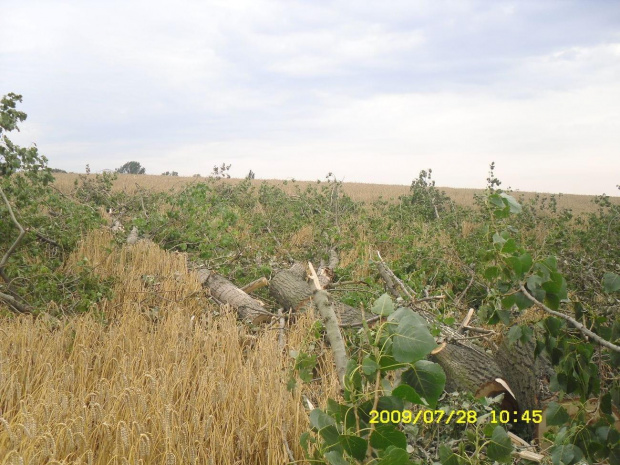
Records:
x=139, y=381
x=357, y=191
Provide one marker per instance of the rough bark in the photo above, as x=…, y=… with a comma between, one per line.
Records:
x=466, y=369
x=292, y=291
x=223, y=290
x=524, y=375
x=518, y=367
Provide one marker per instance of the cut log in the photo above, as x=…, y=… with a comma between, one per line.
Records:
x=466, y=370
x=518, y=367
x=292, y=291
x=223, y=290
x=513, y=370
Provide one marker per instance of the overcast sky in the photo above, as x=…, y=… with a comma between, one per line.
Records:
x=371, y=91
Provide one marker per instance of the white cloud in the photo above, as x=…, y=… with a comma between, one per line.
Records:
x=374, y=92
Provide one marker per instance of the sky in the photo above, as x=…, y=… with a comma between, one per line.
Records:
x=369, y=91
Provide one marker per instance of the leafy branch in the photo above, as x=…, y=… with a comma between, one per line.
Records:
x=572, y=321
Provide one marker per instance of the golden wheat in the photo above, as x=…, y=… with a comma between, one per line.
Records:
x=128, y=384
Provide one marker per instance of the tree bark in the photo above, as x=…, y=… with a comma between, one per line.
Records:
x=292, y=291
x=248, y=308
x=466, y=369
x=328, y=314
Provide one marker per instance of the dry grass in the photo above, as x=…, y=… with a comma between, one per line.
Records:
x=357, y=191
x=150, y=384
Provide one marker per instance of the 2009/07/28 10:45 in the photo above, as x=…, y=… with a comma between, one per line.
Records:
x=458, y=416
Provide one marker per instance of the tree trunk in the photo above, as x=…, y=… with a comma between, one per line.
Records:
x=291, y=291
x=466, y=369
x=223, y=290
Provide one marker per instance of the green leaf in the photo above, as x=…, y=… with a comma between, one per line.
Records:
x=504, y=316
x=353, y=378
x=428, y=379
x=552, y=301
x=491, y=273
x=522, y=301
x=406, y=314
x=383, y=306
x=500, y=447
x=325, y=426
x=509, y=301
x=412, y=341
x=556, y=415
x=388, y=363
x=551, y=263
x=515, y=207
x=446, y=456
x=369, y=366
x=498, y=239
x=387, y=435
x=611, y=283
x=319, y=419
x=334, y=457
x=395, y=456
x=499, y=214
x=514, y=264
x=354, y=446
x=553, y=325
x=390, y=403
x=509, y=246
x=334, y=410
x=514, y=334
x=534, y=282
x=526, y=262
x=566, y=454
x=555, y=284
x=407, y=393
x=496, y=200
x=304, y=441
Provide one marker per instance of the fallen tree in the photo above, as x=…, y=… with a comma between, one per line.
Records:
x=509, y=369
x=248, y=308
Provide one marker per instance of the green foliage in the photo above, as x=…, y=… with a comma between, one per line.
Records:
x=54, y=224
x=577, y=361
x=13, y=158
x=350, y=432
x=131, y=167
x=425, y=200
x=96, y=191
x=500, y=447
x=346, y=431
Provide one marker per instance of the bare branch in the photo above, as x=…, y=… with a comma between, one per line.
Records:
x=46, y=239
x=573, y=322
x=254, y=285
x=22, y=233
x=397, y=280
x=326, y=309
